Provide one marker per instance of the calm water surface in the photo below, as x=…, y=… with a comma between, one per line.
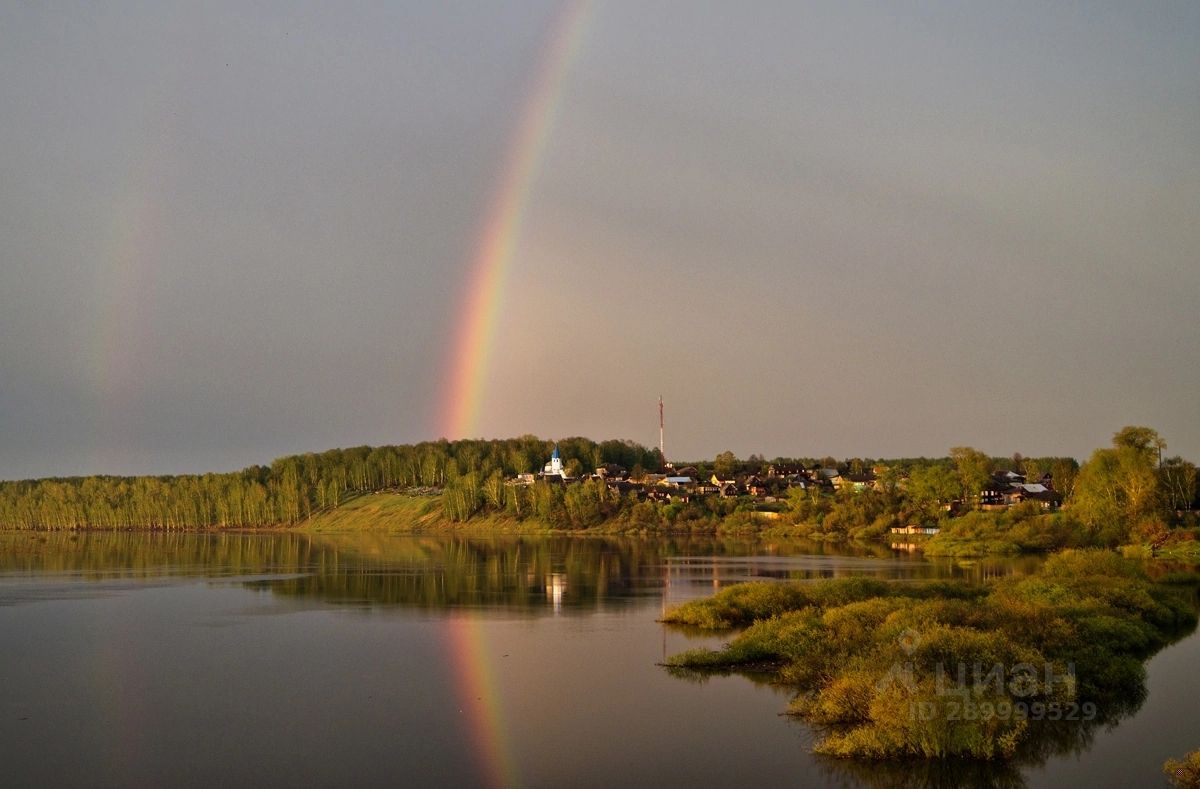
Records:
x=285, y=659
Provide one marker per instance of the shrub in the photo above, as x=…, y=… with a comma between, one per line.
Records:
x=864, y=654
x=1184, y=773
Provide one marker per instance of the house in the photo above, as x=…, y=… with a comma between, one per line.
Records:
x=995, y=495
x=1037, y=492
x=728, y=489
x=857, y=482
x=622, y=487
x=912, y=528
x=669, y=495
x=612, y=471
x=784, y=471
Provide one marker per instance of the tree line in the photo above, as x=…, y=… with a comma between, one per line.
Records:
x=296, y=487
x=1126, y=492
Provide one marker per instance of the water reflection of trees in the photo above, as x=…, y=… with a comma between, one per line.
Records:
x=920, y=774
x=521, y=572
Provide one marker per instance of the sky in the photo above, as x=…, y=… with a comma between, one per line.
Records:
x=851, y=229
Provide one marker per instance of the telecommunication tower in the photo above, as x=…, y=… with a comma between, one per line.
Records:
x=661, y=424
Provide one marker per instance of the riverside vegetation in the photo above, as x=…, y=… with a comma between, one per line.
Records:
x=937, y=669
x=924, y=669
x=1123, y=495
x=1184, y=773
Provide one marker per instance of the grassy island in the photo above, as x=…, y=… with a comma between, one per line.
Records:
x=937, y=669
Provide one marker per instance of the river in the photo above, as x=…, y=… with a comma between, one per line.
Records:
x=142, y=659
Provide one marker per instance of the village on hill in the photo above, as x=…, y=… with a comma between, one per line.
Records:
x=768, y=484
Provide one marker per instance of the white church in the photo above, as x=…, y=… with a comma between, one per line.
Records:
x=555, y=467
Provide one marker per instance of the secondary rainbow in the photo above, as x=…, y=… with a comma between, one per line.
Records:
x=492, y=253
x=123, y=336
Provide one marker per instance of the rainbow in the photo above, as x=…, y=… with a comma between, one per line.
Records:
x=124, y=291
x=492, y=253
x=479, y=699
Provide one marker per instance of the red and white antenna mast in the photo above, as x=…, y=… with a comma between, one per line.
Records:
x=661, y=424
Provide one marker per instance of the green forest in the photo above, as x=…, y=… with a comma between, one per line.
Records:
x=1127, y=493
x=470, y=475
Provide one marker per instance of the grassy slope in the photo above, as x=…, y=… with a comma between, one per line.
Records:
x=379, y=512
x=398, y=513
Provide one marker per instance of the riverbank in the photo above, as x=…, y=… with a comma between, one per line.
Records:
x=407, y=513
x=971, y=536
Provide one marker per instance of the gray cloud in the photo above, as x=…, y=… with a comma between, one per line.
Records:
x=228, y=234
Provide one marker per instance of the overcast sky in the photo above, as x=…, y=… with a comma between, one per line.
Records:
x=879, y=229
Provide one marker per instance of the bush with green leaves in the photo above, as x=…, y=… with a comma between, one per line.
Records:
x=887, y=669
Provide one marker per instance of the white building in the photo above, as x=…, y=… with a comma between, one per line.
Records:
x=555, y=467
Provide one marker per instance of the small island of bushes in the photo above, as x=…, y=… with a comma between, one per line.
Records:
x=937, y=669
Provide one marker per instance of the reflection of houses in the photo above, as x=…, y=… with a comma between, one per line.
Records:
x=914, y=529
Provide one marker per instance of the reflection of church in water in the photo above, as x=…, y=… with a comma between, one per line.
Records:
x=556, y=587
x=556, y=583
